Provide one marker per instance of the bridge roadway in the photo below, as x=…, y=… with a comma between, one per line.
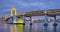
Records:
x=53, y=12
x=42, y=12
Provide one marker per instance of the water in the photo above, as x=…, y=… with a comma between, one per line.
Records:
x=36, y=27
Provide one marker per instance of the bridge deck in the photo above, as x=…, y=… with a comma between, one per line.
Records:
x=36, y=13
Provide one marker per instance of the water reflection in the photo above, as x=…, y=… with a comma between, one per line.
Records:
x=35, y=27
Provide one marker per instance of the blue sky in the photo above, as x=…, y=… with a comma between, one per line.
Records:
x=27, y=5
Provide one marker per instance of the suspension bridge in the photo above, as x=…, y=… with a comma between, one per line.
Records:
x=20, y=22
x=13, y=13
x=52, y=12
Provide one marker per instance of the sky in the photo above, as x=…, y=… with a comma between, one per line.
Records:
x=27, y=5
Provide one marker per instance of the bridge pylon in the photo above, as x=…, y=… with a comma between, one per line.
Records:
x=13, y=11
x=6, y=16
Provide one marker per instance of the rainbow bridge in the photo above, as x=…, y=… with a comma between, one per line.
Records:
x=20, y=22
x=52, y=13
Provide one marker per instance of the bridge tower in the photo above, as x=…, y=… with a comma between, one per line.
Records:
x=6, y=16
x=6, y=19
x=13, y=11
